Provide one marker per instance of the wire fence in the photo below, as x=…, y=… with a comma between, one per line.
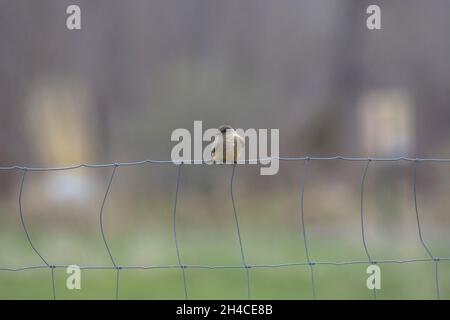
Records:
x=435, y=260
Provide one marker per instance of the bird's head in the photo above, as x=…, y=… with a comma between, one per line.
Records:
x=224, y=128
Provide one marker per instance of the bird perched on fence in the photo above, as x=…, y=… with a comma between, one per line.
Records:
x=227, y=145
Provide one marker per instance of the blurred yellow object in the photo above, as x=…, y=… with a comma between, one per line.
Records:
x=60, y=122
x=387, y=123
x=62, y=130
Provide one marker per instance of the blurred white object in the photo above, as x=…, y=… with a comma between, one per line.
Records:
x=69, y=187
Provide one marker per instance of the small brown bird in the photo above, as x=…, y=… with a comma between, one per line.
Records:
x=227, y=145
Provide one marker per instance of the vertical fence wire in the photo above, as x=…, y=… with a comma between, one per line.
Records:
x=363, y=233
x=22, y=221
x=177, y=246
x=108, y=188
x=52, y=268
x=419, y=230
x=305, y=238
x=236, y=221
x=117, y=281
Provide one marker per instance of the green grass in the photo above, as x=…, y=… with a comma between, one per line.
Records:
x=399, y=281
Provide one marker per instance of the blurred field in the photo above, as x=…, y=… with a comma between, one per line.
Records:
x=399, y=281
x=138, y=225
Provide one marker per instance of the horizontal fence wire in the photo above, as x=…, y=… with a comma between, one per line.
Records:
x=312, y=264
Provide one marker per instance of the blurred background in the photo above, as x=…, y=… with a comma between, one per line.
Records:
x=116, y=89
